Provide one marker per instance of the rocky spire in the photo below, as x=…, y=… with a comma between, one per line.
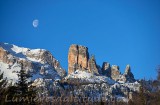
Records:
x=92, y=66
x=128, y=74
x=115, y=72
x=77, y=58
x=127, y=70
x=106, y=69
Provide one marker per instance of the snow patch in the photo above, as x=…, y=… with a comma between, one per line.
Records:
x=10, y=72
x=19, y=49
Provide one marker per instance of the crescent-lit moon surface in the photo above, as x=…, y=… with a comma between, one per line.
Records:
x=35, y=23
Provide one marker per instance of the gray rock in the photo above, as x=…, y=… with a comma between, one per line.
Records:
x=115, y=72
x=92, y=66
x=106, y=69
x=128, y=74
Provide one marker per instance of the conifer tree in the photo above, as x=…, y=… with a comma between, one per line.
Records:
x=22, y=83
x=3, y=83
x=24, y=86
x=142, y=94
x=22, y=90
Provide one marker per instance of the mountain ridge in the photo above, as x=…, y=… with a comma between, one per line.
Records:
x=78, y=58
x=33, y=59
x=47, y=72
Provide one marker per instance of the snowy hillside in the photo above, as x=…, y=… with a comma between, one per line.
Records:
x=38, y=62
x=90, y=77
x=23, y=53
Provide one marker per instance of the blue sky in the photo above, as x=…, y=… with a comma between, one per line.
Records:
x=120, y=32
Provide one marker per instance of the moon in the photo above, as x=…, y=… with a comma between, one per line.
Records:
x=35, y=23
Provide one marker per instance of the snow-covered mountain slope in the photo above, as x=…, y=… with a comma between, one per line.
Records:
x=90, y=77
x=11, y=73
x=88, y=84
x=118, y=88
x=39, y=62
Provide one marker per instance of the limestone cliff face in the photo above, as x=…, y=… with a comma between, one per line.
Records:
x=43, y=56
x=83, y=56
x=3, y=54
x=106, y=69
x=6, y=57
x=128, y=74
x=72, y=58
x=115, y=72
x=116, y=75
x=33, y=60
x=92, y=66
x=77, y=58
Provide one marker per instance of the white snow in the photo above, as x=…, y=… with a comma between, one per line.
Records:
x=10, y=73
x=36, y=51
x=81, y=74
x=121, y=98
x=133, y=86
x=19, y=49
x=34, y=59
x=22, y=52
x=38, y=82
x=90, y=77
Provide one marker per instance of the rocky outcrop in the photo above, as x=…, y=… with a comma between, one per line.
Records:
x=115, y=72
x=128, y=74
x=128, y=71
x=42, y=70
x=77, y=58
x=106, y=69
x=92, y=66
x=33, y=60
x=3, y=55
x=6, y=57
x=36, y=54
x=72, y=58
x=83, y=56
x=43, y=56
